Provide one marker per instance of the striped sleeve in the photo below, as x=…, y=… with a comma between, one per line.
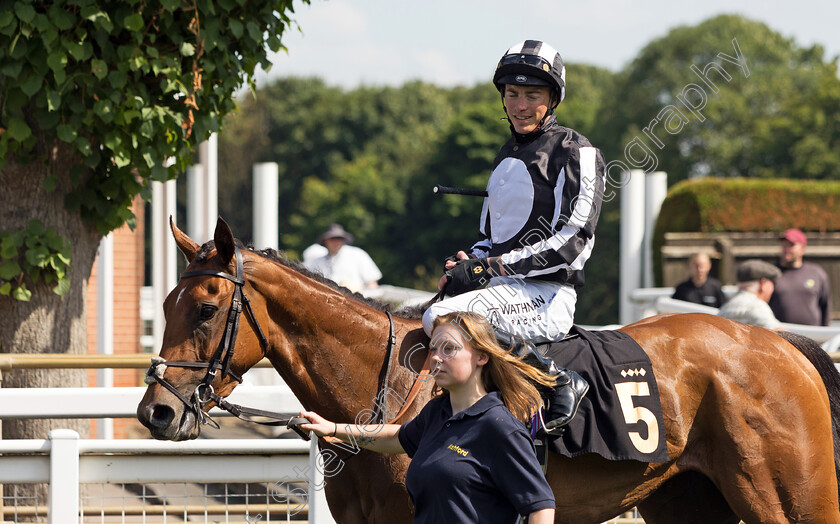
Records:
x=567, y=242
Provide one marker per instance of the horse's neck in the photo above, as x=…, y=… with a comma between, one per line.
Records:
x=328, y=347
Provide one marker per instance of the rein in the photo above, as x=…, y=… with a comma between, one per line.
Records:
x=223, y=356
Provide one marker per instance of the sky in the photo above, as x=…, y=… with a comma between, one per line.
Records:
x=350, y=43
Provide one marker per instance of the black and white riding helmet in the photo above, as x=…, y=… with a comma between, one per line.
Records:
x=532, y=63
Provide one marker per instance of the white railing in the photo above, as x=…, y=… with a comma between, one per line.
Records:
x=18, y=403
x=64, y=461
x=652, y=301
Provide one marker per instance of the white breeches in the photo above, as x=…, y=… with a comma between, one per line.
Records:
x=534, y=309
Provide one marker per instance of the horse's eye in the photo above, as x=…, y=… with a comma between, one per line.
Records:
x=207, y=312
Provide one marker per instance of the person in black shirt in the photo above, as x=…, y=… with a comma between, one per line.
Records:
x=700, y=288
x=472, y=456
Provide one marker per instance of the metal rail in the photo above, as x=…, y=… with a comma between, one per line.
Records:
x=9, y=361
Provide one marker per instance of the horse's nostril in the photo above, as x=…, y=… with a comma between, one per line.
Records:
x=162, y=415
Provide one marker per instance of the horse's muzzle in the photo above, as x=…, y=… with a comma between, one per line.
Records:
x=167, y=423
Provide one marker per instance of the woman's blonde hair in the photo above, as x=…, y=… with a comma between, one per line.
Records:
x=503, y=372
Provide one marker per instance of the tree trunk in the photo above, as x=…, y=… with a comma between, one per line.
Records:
x=47, y=323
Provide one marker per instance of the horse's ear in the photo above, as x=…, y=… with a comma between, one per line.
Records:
x=186, y=245
x=223, y=238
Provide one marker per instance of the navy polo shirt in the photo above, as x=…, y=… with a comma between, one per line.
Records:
x=476, y=466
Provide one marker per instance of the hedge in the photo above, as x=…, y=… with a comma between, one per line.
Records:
x=750, y=205
x=711, y=204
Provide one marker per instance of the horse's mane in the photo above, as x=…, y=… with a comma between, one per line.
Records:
x=409, y=313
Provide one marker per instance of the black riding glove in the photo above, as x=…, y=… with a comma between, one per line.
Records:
x=471, y=274
x=454, y=258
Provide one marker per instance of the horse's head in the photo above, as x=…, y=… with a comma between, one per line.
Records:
x=201, y=355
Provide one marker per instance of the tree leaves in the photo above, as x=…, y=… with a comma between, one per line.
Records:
x=35, y=254
x=17, y=130
x=123, y=86
x=133, y=22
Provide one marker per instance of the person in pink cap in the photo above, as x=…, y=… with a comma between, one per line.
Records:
x=803, y=292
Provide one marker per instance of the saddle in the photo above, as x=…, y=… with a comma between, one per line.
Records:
x=620, y=417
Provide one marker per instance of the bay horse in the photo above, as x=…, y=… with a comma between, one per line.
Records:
x=749, y=425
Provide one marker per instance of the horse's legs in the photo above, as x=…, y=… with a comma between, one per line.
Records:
x=688, y=498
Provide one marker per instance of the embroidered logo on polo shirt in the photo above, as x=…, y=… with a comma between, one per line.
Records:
x=458, y=449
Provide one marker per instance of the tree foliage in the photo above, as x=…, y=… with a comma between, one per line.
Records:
x=96, y=96
x=688, y=100
x=125, y=87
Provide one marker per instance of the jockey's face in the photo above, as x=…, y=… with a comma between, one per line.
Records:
x=526, y=106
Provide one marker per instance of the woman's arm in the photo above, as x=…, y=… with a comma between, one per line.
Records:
x=381, y=438
x=543, y=516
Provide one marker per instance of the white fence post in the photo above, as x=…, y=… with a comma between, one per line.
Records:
x=105, y=323
x=64, y=477
x=656, y=189
x=164, y=260
x=196, y=204
x=319, y=511
x=632, y=242
x=266, y=183
x=208, y=157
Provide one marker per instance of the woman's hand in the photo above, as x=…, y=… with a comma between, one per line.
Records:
x=381, y=438
x=321, y=426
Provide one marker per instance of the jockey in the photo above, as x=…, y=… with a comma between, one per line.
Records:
x=537, y=224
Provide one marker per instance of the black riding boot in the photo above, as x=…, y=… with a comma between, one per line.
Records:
x=564, y=398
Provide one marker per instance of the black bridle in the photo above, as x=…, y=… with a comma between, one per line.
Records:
x=221, y=361
x=223, y=356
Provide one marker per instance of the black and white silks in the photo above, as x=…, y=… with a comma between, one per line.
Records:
x=544, y=198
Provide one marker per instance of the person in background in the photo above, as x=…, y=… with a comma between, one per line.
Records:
x=346, y=265
x=700, y=288
x=755, y=285
x=803, y=292
x=312, y=252
x=472, y=457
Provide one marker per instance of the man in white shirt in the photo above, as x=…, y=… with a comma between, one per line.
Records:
x=346, y=265
x=755, y=286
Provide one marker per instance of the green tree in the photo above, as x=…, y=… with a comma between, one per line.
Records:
x=727, y=97
x=440, y=225
x=95, y=96
x=587, y=90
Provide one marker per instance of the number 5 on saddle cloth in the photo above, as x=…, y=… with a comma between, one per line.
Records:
x=620, y=417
